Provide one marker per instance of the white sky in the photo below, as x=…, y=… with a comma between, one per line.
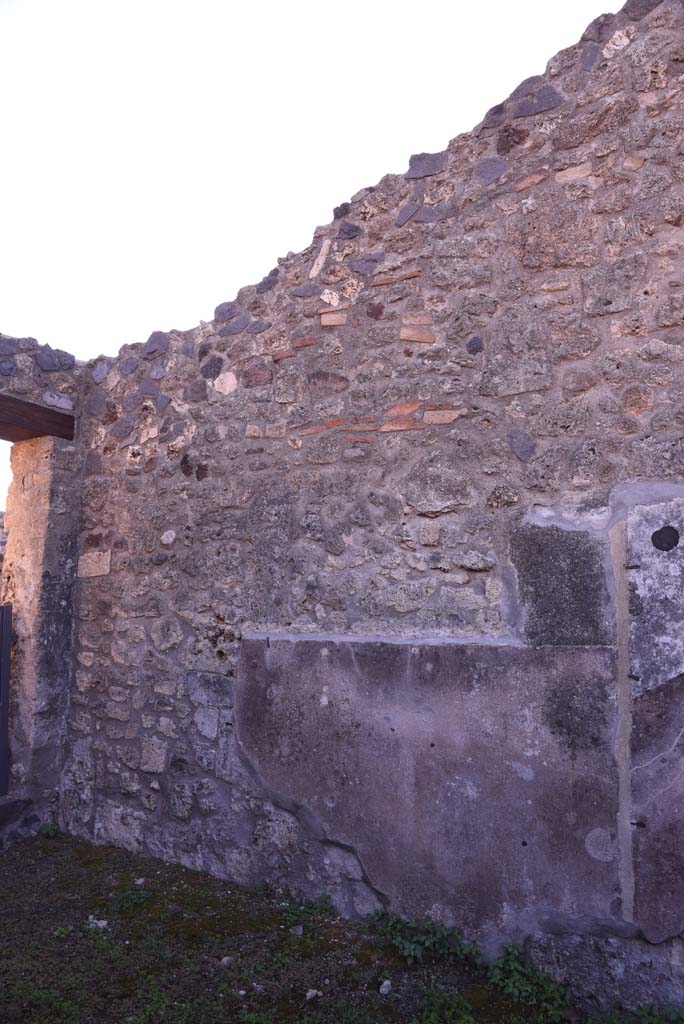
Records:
x=156, y=155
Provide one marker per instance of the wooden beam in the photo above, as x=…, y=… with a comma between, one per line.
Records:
x=20, y=420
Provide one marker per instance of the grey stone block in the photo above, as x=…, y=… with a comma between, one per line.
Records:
x=562, y=586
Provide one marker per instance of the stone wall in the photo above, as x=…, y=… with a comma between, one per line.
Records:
x=379, y=571
x=39, y=542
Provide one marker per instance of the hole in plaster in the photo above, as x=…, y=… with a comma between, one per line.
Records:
x=666, y=538
x=524, y=842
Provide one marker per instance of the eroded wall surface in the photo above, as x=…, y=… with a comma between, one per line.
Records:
x=40, y=543
x=378, y=583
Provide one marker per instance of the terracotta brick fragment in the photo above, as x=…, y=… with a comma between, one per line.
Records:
x=441, y=417
x=358, y=440
x=333, y=319
x=312, y=429
x=401, y=423
x=417, y=334
x=305, y=342
x=575, y=173
x=535, y=178
x=339, y=422
x=403, y=409
x=278, y=357
x=396, y=278
x=362, y=428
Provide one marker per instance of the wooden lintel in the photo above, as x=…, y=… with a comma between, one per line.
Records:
x=20, y=420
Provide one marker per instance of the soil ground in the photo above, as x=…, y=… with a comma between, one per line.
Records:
x=93, y=935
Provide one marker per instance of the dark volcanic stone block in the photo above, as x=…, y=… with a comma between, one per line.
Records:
x=476, y=779
x=366, y=264
x=156, y=345
x=8, y=346
x=423, y=165
x=235, y=325
x=348, y=230
x=405, y=213
x=490, y=169
x=47, y=359
x=562, y=586
x=432, y=214
x=268, y=282
x=638, y=9
x=521, y=444
x=305, y=291
x=128, y=365
x=226, y=311
x=213, y=366
x=258, y=326
x=545, y=98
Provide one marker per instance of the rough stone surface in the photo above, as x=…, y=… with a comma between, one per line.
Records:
x=562, y=584
x=454, y=422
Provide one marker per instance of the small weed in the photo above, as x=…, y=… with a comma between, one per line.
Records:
x=440, y=1007
x=307, y=911
x=519, y=979
x=61, y=933
x=46, y=1004
x=251, y=1017
x=342, y=1013
x=131, y=901
x=659, y=1015
x=416, y=940
x=49, y=830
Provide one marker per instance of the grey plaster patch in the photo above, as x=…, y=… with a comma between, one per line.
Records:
x=600, y=844
x=656, y=577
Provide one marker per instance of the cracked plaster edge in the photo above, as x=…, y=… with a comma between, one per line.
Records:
x=303, y=815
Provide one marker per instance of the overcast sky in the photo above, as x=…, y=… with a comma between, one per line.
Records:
x=159, y=154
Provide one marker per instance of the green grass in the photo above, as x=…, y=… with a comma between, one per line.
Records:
x=184, y=948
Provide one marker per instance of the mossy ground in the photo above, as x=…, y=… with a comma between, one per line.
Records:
x=158, y=961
